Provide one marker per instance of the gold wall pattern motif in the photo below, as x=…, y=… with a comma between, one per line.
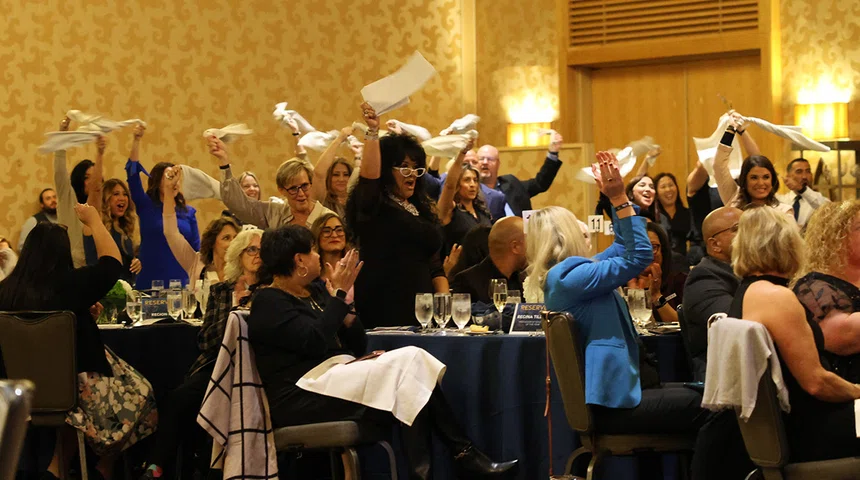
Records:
x=187, y=66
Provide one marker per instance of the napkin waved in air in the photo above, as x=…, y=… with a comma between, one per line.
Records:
x=229, y=133
x=462, y=125
x=284, y=116
x=448, y=146
x=626, y=158
x=421, y=133
x=97, y=123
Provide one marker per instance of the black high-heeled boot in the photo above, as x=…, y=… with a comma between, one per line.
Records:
x=417, y=445
x=468, y=459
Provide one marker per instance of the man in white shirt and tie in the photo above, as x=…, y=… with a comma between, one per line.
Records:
x=802, y=198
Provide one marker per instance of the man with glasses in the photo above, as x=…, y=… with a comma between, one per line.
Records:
x=518, y=193
x=711, y=285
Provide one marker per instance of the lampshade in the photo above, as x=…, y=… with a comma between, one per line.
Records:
x=823, y=121
x=528, y=134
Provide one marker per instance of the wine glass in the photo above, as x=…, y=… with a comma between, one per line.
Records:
x=499, y=292
x=174, y=284
x=132, y=306
x=157, y=287
x=424, y=308
x=461, y=304
x=199, y=285
x=639, y=304
x=441, y=309
x=514, y=298
x=174, y=304
x=189, y=303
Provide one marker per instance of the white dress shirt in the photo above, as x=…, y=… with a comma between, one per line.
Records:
x=809, y=201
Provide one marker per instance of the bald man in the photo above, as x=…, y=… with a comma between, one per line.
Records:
x=518, y=193
x=711, y=285
x=507, y=259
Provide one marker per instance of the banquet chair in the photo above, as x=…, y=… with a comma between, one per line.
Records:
x=15, y=400
x=40, y=347
x=697, y=367
x=765, y=440
x=563, y=343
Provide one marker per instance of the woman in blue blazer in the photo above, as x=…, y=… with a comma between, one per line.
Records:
x=562, y=274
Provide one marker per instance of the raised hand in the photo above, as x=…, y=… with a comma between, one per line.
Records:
x=294, y=126
x=64, y=124
x=139, y=130
x=607, y=175
x=345, y=271
x=555, y=142
x=394, y=127
x=219, y=150
x=470, y=143
x=101, y=143
x=170, y=182
x=347, y=131
x=88, y=215
x=370, y=118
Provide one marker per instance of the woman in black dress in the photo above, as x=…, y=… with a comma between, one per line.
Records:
x=767, y=252
x=461, y=205
x=296, y=323
x=393, y=223
x=670, y=211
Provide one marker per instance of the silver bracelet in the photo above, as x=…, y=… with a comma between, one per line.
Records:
x=371, y=134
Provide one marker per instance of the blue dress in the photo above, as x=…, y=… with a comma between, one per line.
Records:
x=587, y=289
x=156, y=260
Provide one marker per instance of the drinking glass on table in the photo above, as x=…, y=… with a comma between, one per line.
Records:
x=157, y=287
x=461, y=305
x=499, y=293
x=639, y=304
x=189, y=303
x=175, y=284
x=424, y=309
x=514, y=298
x=132, y=306
x=174, y=304
x=441, y=309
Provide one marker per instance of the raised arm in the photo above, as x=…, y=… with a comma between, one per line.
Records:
x=294, y=128
x=105, y=245
x=179, y=246
x=94, y=192
x=66, y=198
x=445, y=205
x=246, y=209
x=747, y=142
x=697, y=179
x=726, y=185
x=133, y=170
x=650, y=158
x=318, y=190
x=543, y=180
x=371, y=164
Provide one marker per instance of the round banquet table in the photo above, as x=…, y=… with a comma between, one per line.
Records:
x=495, y=383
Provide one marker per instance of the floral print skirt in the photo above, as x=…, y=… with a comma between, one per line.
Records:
x=114, y=412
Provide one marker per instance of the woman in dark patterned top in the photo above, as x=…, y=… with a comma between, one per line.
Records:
x=179, y=413
x=828, y=285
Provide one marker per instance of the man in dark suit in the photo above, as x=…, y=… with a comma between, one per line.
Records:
x=506, y=260
x=711, y=285
x=518, y=193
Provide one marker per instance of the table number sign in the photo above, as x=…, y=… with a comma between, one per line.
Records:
x=527, y=319
x=595, y=223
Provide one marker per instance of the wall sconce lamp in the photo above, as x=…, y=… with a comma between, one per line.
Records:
x=823, y=121
x=528, y=134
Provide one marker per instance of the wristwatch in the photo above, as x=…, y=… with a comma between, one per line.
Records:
x=340, y=294
x=623, y=206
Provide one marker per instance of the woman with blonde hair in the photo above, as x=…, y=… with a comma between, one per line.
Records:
x=120, y=217
x=179, y=413
x=829, y=282
x=766, y=252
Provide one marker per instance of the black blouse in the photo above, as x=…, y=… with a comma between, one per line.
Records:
x=401, y=254
x=678, y=228
x=462, y=222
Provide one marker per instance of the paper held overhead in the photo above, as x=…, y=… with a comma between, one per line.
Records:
x=393, y=91
x=229, y=133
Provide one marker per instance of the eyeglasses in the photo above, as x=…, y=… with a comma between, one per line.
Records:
x=252, y=251
x=293, y=191
x=328, y=231
x=733, y=228
x=408, y=172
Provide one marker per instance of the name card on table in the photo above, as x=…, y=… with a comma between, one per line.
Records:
x=527, y=319
x=153, y=308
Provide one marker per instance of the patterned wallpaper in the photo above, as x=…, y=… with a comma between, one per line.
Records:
x=191, y=65
x=517, y=60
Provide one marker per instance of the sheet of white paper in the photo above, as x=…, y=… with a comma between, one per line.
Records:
x=394, y=90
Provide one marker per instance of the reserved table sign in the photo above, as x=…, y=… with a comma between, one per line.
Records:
x=153, y=308
x=527, y=319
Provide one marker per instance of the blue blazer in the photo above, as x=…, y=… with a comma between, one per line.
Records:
x=587, y=288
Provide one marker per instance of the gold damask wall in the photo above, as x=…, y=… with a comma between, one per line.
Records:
x=184, y=66
x=820, y=54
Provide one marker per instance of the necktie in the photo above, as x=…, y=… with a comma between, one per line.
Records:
x=796, y=207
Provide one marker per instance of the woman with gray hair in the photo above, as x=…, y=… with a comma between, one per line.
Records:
x=294, y=180
x=179, y=413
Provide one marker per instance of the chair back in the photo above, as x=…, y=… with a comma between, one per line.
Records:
x=697, y=368
x=764, y=432
x=563, y=343
x=15, y=400
x=40, y=347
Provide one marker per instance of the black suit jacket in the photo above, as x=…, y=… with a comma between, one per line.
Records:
x=710, y=288
x=518, y=193
x=476, y=281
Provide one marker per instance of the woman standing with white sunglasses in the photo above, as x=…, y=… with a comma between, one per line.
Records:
x=393, y=223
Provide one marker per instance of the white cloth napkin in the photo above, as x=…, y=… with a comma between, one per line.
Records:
x=281, y=114
x=462, y=125
x=706, y=148
x=318, y=141
x=229, y=133
x=65, y=140
x=421, y=133
x=788, y=132
x=626, y=158
x=399, y=381
x=91, y=122
x=448, y=146
x=394, y=90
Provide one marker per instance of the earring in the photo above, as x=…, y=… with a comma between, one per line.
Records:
x=303, y=275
